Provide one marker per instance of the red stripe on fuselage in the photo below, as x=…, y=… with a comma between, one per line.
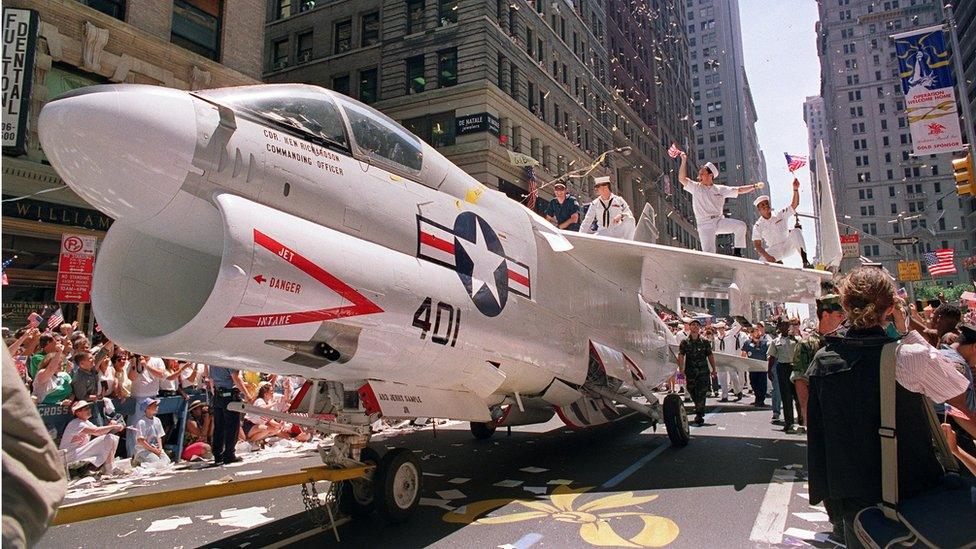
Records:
x=434, y=242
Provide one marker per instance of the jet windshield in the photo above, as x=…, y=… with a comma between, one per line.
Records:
x=308, y=109
x=381, y=138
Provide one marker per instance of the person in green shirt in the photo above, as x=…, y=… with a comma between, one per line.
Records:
x=830, y=315
x=45, y=346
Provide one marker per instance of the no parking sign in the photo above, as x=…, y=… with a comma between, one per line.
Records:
x=75, y=268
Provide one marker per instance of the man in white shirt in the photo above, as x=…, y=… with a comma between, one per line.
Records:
x=611, y=213
x=708, y=203
x=773, y=228
x=77, y=438
x=727, y=343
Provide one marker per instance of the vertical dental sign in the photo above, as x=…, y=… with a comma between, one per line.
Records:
x=930, y=100
x=19, y=41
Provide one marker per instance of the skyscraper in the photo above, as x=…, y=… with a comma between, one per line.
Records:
x=880, y=187
x=724, y=112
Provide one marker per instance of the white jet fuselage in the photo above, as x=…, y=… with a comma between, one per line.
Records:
x=252, y=239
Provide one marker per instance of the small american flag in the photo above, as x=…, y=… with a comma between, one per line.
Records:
x=56, y=320
x=940, y=262
x=674, y=151
x=3, y=270
x=795, y=162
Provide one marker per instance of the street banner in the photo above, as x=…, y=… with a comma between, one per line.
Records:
x=75, y=267
x=519, y=159
x=909, y=271
x=850, y=245
x=930, y=99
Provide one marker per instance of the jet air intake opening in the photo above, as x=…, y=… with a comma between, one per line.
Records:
x=153, y=278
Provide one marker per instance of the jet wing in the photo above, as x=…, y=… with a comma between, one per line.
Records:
x=662, y=273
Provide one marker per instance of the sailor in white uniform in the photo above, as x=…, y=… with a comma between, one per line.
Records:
x=611, y=213
x=727, y=343
x=708, y=203
x=773, y=229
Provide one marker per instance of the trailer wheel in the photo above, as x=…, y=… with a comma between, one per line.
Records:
x=398, y=482
x=481, y=430
x=358, y=495
x=676, y=421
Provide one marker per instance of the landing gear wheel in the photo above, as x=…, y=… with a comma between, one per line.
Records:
x=676, y=421
x=357, y=499
x=397, y=484
x=481, y=430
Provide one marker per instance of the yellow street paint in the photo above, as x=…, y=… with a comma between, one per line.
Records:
x=594, y=517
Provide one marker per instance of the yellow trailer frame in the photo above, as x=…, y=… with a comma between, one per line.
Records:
x=129, y=504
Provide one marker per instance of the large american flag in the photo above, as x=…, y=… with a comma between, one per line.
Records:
x=940, y=262
x=674, y=151
x=795, y=162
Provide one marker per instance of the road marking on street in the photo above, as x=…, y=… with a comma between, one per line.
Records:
x=524, y=542
x=634, y=467
x=775, y=508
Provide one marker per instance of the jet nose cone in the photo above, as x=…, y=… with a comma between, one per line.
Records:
x=125, y=149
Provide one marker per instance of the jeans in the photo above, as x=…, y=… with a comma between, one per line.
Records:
x=226, y=426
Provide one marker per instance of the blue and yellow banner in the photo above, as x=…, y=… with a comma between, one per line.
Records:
x=925, y=69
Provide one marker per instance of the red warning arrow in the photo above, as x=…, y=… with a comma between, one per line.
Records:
x=260, y=279
x=361, y=305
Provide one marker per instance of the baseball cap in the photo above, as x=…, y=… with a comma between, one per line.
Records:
x=559, y=185
x=712, y=168
x=829, y=302
x=760, y=200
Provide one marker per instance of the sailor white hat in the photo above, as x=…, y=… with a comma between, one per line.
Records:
x=712, y=168
x=760, y=200
x=603, y=180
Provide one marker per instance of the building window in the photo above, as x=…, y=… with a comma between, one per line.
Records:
x=371, y=29
x=415, y=16
x=282, y=9
x=279, y=54
x=341, y=84
x=447, y=68
x=367, y=86
x=436, y=129
x=343, y=36
x=447, y=12
x=196, y=26
x=416, y=82
x=304, y=47
x=114, y=8
x=305, y=5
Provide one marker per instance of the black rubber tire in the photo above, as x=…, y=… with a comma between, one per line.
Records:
x=481, y=431
x=676, y=421
x=385, y=485
x=357, y=507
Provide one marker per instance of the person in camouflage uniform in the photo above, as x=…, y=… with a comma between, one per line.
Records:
x=830, y=315
x=694, y=359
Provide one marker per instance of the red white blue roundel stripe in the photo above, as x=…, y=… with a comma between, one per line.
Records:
x=435, y=243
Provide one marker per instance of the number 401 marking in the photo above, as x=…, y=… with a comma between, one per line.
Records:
x=421, y=319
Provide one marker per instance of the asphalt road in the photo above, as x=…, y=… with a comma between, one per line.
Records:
x=739, y=483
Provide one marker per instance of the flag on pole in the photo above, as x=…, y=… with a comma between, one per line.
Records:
x=674, y=151
x=34, y=319
x=533, y=187
x=56, y=320
x=795, y=162
x=940, y=262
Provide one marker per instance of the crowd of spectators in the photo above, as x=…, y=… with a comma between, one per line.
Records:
x=94, y=380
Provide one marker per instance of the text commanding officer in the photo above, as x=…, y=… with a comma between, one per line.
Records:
x=708, y=203
x=773, y=228
x=611, y=213
x=694, y=360
x=564, y=210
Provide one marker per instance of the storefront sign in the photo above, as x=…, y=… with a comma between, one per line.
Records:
x=850, y=245
x=19, y=38
x=909, y=271
x=75, y=268
x=474, y=123
x=47, y=212
x=930, y=98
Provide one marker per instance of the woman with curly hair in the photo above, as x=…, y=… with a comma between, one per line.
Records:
x=844, y=447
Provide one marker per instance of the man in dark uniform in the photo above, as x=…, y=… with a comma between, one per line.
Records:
x=694, y=359
x=227, y=386
x=564, y=210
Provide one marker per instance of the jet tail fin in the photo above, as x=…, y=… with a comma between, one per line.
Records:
x=646, y=230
